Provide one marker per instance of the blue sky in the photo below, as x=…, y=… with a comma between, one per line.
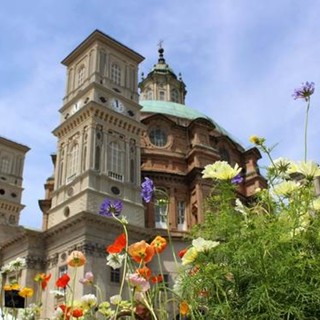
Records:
x=240, y=60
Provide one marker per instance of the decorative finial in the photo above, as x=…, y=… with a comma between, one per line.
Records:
x=142, y=75
x=161, y=50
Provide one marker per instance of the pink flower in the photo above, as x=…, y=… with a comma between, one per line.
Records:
x=139, y=283
x=88, y=278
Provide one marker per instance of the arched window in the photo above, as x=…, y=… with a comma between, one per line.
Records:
x=149, y=95
x=174, y=95
x=116, y=74
x=73, y=160
x=5, y=165
x=161, y=95
x=81, y=75
x=115, y=161
x=161, y=208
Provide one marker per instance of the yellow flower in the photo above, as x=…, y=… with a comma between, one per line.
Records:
x=13, y=286
x=26, y=292
x=257, y=140
x=316, y=204
x=286, y=188
x=189, y=256
x=309, y=169
x=221, y=170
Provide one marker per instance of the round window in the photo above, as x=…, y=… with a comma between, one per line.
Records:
x=158, y=137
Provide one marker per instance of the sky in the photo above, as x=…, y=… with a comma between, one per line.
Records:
x=240, y=60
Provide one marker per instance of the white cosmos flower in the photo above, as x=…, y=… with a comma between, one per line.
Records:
x=309, y=169
x=221, y=170
x=201, y=244
x=286, y=188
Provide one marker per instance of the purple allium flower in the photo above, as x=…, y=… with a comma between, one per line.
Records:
x=109, y=208
x=147, y=189
x=304, y=92
x=237, y=179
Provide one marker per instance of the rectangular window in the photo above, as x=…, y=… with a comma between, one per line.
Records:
x=114, y=275
x=181, y=215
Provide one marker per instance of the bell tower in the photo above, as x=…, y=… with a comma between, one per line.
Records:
x=98, y=150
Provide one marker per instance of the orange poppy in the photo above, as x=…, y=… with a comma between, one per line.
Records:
x=76, y=259
x=184, y=308
x=63, y=281
x=157, y=279
x=43, y=279
x=141, y=252
x=144, y=272
x=118, y=245
x=159, y=244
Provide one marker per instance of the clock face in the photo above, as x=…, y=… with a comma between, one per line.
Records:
x=117, y=105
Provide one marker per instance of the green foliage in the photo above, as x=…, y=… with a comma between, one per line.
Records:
x=267, y=265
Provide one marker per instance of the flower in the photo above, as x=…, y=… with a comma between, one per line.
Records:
x=111, y=208
x=139, y=283
x=147, y=189
x=141, y=252
x=26, y=292
x=184, y=308
x=43, y=279
x=304, y=91
x=157, y=279
x=202, y=245
x=257, y=140
x=63, y=281
x=77, y=312
x=189, y=256
x=116, y=299
x=182, y=252
x=14, y=265
x=237, y=179
x=115, y=260
x=88, y=301
x=144, y=272
x=309, y=169
x=118, y=245
x=159, y=244
x=286, y=188
x=88, y=278
x=280, y=167
x=12, y=286
x=76, y=259
x=221, y=170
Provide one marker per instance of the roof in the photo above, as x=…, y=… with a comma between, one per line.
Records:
x=180, y=111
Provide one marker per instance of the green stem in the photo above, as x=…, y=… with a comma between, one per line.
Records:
x=306, y=131
x=125, y=265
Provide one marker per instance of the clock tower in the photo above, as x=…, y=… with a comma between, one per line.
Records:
x=98, y=151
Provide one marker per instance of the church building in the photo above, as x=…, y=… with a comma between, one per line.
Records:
x=113, y=132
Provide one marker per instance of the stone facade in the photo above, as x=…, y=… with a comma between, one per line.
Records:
x=107, y=141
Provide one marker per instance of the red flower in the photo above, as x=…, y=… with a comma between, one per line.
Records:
x=157, y=279
x=62, y=282
x=118, y=245
x=182, y=252
x=77, y=312
x=66, y=311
